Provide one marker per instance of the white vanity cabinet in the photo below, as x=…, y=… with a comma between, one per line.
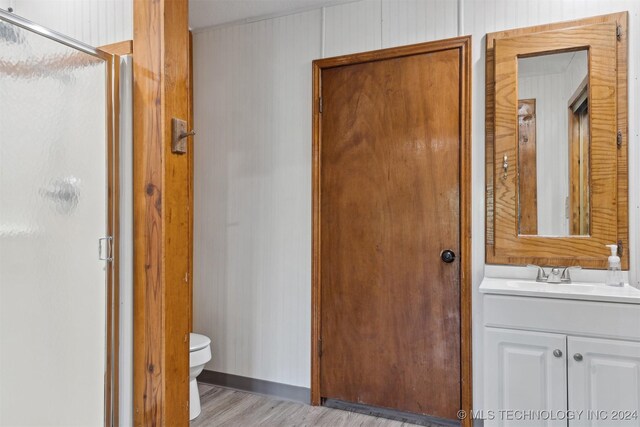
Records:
x=524, y=371
x=604, y=381
x=573, y=357
x=594, y=381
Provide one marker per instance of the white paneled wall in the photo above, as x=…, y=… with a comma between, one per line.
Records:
x=253, y=195
x=253, y=162
x=377, y=24
x=415, y=21
x=352, y=27
x=95, y=22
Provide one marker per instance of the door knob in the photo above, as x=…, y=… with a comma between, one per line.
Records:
x=557, y=352
x=447, y=256
x=577, y=357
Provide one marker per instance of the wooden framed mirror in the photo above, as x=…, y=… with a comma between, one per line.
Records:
x=556, y=143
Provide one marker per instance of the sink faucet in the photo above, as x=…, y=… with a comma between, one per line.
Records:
x=556, y=274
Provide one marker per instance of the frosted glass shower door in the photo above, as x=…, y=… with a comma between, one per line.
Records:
x=53, y=210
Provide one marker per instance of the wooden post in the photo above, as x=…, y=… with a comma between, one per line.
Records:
x=161, y=216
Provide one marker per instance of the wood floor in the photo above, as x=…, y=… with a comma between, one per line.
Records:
x=226, y=407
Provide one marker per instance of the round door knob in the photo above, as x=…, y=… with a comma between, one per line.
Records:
x=577, y=357
x=447, y=256
x=557, y=352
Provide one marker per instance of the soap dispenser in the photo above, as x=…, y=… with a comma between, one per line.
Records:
x=614, y=272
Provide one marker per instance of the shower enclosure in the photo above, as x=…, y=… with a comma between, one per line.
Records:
x=58, y=202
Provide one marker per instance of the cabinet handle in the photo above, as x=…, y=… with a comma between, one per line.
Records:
x=557, y=352
x=577, y=357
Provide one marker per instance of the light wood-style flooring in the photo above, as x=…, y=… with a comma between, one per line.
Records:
x=226, y=407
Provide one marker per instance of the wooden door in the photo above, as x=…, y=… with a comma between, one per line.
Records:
x=604, y=381
x=525, y=371
x=389, y=205
x=579, y=161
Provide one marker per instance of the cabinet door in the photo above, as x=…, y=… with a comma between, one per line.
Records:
x=522, y=373
x=604, y=382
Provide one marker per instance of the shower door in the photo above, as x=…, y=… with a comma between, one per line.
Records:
x=55, y=282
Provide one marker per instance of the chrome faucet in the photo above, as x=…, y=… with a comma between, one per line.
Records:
x=556, y=274
x=542, y=276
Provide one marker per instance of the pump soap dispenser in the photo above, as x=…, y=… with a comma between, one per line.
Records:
x=614, y=271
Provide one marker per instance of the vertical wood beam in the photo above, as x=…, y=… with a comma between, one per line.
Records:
x=161, y=216
x=191, y=194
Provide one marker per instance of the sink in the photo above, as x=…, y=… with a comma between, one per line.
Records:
x=577, y=290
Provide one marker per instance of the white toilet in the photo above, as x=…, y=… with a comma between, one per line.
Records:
x=199, y=355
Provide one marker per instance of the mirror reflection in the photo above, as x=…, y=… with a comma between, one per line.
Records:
x=553, y=144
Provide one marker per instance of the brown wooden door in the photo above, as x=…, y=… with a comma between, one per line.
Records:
x=389, y=205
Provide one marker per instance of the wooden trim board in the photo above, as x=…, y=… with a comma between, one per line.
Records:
x=464, y=45
x=113, y=295
x=122, y=48
x=527, y=184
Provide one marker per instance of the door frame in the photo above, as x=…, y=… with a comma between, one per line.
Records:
x=463, y=44
x=112, y=319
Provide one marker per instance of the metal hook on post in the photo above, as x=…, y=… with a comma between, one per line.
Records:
x=179, y=135
x=187, y=134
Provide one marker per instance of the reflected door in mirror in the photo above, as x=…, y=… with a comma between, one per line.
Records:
x=579, y=161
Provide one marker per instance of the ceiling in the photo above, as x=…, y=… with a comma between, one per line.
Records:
x=207, y=13
x=549, y=64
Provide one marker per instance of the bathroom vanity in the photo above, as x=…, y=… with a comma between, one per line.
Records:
x=557, y=194
x=563, y=348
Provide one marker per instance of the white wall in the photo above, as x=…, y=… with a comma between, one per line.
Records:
x=97, y=23
x=253, y=162
x=252, y=195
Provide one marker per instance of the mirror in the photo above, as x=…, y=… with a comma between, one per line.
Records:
x=556, y=143
x=553, y=144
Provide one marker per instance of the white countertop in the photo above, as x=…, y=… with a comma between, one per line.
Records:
x=576, y=291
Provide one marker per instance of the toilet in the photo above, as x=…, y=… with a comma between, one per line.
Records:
x=199, y=355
